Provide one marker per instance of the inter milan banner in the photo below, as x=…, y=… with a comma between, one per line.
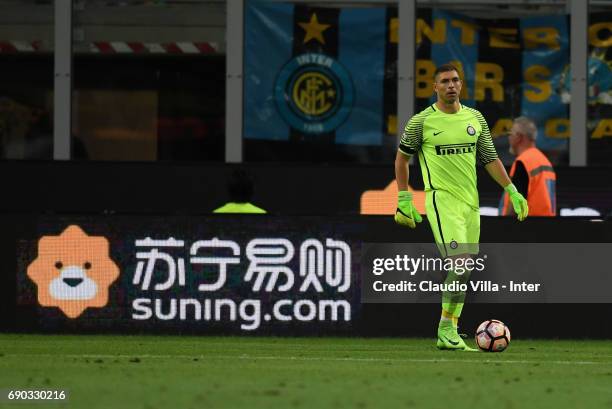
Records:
x=330, y=73
x=315, y=72
x=600, y=88
x=510, y=68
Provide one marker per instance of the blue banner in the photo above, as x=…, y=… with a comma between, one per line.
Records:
x=545, y=55
x=314, y=71
x=510, y=68
x=329, y=75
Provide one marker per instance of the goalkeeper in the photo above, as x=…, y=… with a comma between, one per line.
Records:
x=449, y=138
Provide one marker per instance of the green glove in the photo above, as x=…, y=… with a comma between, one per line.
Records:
x=406, y=214
x=519, y=203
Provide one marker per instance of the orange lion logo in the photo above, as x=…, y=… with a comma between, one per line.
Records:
x=73, y=271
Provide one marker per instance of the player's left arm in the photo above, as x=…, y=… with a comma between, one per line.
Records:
x=487, y=155
x=497, y=171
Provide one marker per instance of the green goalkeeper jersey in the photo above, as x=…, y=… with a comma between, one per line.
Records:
x=448, y=146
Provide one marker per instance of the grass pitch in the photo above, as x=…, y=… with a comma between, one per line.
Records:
x=231, y=372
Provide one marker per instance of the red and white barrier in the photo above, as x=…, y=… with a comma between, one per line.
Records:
x=20, y=46
x=125, y=47
x=118, y=47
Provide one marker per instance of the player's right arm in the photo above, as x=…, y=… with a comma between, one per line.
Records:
x=406, y=214
x=401, y=170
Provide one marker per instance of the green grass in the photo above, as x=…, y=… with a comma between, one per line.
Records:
x=213, y=372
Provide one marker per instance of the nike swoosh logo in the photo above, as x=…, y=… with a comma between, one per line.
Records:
x=438, y=133
x=451, y=342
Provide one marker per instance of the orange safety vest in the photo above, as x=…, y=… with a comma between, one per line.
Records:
x=541, y=195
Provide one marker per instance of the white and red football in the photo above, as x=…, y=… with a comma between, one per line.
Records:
x=493, y=336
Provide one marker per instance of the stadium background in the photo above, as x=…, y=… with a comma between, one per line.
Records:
x=148, y=129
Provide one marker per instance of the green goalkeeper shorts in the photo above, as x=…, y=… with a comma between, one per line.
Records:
x=455, y=224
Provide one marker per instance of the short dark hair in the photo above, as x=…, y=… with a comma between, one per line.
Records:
x=240, y=186
x=445, y=68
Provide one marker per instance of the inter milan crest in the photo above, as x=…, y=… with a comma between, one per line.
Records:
x=470, y=130
x=314, y=93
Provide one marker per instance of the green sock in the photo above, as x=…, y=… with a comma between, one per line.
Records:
x=452, y=301
x=446, y=320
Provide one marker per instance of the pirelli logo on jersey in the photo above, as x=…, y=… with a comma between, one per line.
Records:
x=455, y=148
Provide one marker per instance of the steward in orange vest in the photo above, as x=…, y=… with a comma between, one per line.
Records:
x=532, y=173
